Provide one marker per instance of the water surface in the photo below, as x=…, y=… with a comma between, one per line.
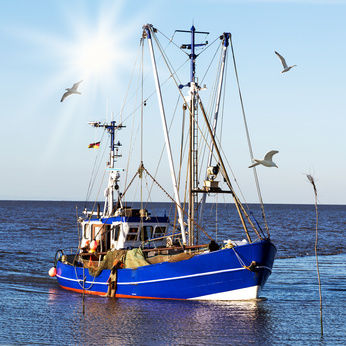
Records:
x=34, y=310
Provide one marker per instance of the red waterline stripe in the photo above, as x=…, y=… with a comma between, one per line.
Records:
x=116, y=295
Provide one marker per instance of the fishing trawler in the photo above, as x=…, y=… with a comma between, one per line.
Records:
x=127, y=252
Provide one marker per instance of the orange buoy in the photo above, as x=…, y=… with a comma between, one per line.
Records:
x=93, y=245
x=52, y=272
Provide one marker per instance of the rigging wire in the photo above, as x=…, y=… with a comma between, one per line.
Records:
x=142, y=235
x=172, y=74
x=235, y=180
x=97, y=195
x=208, y=46
x=223, y=98
x=142, y=111
x=171, y=40
x=249, y=141
x=238, y=204
x=167, y=61
x=134, y=111
x=131, y=148
x=211, y=62
x=177, y=206
x=94, y=174
x=211, y=111
x=140, y=107
x=169, y=66
x=164, y=145
x=130, y=81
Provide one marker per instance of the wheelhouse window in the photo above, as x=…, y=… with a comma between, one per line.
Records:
x=96, y=230
x=159, y=232
x=86, y=231
x=133, y=233
x=146, y=232
x=116, y=232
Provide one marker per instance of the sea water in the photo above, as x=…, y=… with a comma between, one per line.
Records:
x=34, y=310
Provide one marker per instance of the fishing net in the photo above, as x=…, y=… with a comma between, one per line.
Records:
x=169, y=258
x=135, y=259
x=131, y=259
x=109, y=260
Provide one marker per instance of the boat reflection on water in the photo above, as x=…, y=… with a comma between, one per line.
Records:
x=54, y=294
x=128, y=321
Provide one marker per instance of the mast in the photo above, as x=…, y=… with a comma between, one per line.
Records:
x=147, y=32
x=193, y=135
x=193, y=210
x=114, y=172
x=110, y=190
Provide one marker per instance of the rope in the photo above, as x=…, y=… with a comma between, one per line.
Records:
x=171, y=40
x=163, y=149
x=93, y=172
x=172, y=199
x=211, y=112
x=169, y=65
x=98, y=193
x=84, y=279
x=129, y=184
x=208, y=46
x=142, y=113
x=130, y=82
x=211, y=62
x=241, y=262
x=172, y=75
x=248, y=140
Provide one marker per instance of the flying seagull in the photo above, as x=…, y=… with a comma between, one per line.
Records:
x=284, y=64
x=71, y=91
x=268, y=162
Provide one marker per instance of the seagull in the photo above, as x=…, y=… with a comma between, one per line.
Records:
x=284, y=64
x=71, y=91
x=268, y=162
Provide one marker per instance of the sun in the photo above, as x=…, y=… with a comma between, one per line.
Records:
x=97, y=55
x=93, y=47
x=90, y=48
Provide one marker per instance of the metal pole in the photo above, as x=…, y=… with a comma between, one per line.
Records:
x=165, y=130
x=192, y=146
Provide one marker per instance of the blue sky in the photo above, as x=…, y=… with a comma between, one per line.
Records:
x=44, y=49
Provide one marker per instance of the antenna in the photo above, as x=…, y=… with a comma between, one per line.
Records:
x=191, y=46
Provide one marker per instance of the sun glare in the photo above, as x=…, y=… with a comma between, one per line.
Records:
x=92, y=48
x=97, y=56
x=95, y=50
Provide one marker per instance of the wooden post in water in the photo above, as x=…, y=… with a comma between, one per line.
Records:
x=312, y=181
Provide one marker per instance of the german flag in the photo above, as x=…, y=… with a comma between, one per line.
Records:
x=94, y=145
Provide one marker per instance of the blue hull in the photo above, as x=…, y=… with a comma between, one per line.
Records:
x=218, y=275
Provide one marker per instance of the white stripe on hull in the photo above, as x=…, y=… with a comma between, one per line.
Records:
x=239, y=294
x=164, y=279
